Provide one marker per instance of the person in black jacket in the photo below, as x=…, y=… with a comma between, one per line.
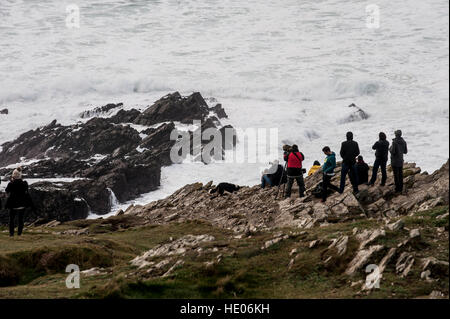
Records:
x=349, y=151
x=273, y=175
x=381, y=148
x=279, y=177
x=362, y=170
x=18, y=200
x=397, y=149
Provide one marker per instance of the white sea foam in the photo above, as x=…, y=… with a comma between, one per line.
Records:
x=294, y=65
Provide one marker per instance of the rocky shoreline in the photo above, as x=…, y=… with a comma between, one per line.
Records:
x=114, y=152
x=254, y=209
x=247, y=245
x=193, y=243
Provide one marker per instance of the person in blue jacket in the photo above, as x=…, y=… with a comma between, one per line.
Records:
x=328, y=172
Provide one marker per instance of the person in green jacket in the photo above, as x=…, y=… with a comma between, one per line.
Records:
x=328, y=172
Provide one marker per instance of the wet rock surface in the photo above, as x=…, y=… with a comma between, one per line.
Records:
x=112, y=151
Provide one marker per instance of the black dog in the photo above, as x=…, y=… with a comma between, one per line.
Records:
x=222, y=187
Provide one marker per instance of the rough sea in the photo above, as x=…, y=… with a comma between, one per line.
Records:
x=294, y=65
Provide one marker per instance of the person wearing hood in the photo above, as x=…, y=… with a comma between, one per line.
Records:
x=314, y=168
x=349, y=152
x=328, y=172
x=273, y=175
x=18, y=200
x=398, y=149
x=381, y=148
x=362, y=170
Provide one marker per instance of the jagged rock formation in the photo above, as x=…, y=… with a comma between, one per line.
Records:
x=357, y=114
x=253, y=208
x=102, y=110
x=122, y=153
x=196, y=243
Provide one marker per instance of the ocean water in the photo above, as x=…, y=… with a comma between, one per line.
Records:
x=292, y=65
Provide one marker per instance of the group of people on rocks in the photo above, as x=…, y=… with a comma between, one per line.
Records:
x=18, y=200
x=353, y=165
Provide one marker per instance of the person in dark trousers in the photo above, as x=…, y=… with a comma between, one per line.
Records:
x=381, y=148
x=18, y=201
x=349, y=151
x=362, y=170
x=294, y=159
x=278, y=177
x=397, y=149
x=328, y=172
x=273, y=175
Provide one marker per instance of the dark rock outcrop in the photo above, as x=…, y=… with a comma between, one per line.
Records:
x=79, y=141
x=102, y=110
x=55, y=201
x=174, y=107
x=104, y=154
x=357, y=115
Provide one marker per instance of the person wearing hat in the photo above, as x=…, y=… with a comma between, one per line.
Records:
x=18, y=200
x=398, y=149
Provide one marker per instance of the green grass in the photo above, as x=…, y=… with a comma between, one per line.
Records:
x=34, y=266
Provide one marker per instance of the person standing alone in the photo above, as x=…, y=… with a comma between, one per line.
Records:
x=381, y=148
x=349, y=152
x=18, y=200
x=397, y=149
x=294, y=169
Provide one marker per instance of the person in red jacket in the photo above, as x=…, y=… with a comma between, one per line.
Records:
x=294, y=170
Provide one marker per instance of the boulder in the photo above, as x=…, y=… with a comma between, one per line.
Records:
x=357, y=114
x=436, y=268
x=362, y=258
x=176, y=247
x=174, y=107
x=218, y=109
x=396, y=225
x=404, y=264
x=368, y=236
x=112, y=156
x=124, y=116
x=98, y=111
x=54, y=202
